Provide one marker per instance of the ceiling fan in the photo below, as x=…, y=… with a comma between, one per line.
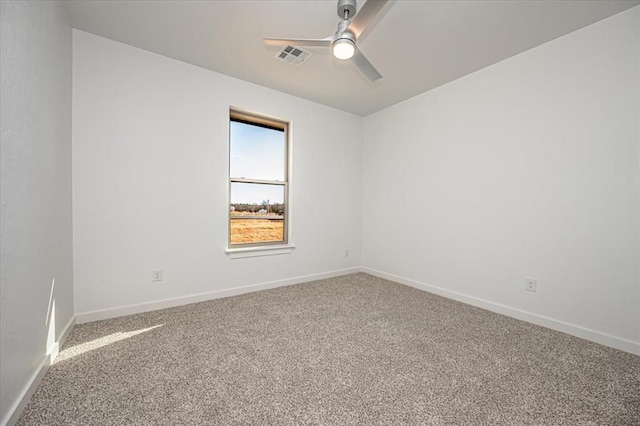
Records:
x=343, y=42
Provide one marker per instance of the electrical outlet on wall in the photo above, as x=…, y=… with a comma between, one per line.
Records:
x=346, y=252
x=156, y=275
x=530, y=284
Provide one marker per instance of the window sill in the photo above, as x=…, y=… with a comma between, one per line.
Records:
x=242, y=252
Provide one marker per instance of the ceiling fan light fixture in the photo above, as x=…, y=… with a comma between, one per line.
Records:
x=343, y=41
x=344, y=48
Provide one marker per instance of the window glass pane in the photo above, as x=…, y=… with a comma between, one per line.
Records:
x=257, y=213
x=256, y=152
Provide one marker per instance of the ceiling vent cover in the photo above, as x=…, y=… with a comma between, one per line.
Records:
x=293, y=55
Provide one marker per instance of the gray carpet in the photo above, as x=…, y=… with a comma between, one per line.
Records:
x=350, y=350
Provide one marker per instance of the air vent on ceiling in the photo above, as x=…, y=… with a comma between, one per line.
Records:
x=293, y=55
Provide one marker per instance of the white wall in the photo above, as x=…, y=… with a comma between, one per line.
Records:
x=529, y=167
x=150, y=142
x=36, y=238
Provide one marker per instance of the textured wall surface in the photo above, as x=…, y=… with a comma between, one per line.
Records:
x=150, y=176
x=527, y=168
x=36, y=296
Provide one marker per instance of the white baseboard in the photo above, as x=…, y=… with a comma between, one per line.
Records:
x=85, y=317
x=554, y=324
x=32, y=384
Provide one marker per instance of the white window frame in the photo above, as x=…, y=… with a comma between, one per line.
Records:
x=272, y=247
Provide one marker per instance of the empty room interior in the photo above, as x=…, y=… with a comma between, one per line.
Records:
x=320, y=212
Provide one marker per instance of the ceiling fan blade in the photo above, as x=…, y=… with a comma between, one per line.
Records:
x=308, y=42
x=363, y=64
x=365, y=15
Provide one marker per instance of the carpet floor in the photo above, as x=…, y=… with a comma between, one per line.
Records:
x=355, y=349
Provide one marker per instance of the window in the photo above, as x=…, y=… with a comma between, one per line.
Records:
x=258, y=181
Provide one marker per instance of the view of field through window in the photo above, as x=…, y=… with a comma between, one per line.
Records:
x=257, y=168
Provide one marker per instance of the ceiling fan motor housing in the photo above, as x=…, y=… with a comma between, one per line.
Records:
x=346, y=35
x=348, y=6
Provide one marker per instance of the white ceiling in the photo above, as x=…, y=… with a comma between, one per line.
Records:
x=416, y=45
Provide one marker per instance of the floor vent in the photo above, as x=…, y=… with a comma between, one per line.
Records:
x=293, y=55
